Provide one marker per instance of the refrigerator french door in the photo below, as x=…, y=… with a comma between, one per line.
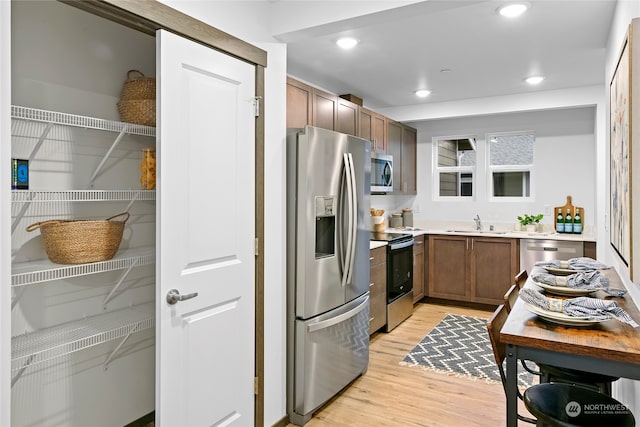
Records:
x=328, y=181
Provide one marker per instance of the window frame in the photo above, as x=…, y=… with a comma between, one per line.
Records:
x=491, y=169
x=459, y=170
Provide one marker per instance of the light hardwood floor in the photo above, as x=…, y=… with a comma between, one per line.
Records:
x=399, y=396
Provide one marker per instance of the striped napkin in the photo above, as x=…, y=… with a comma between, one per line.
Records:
x=594, y=308
x=581, y=263
x=588, y=280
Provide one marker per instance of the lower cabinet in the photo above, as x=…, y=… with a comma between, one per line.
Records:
x=473, y=269
x=378, y=289
x=419, y=261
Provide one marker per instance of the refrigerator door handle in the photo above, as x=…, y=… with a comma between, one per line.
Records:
x=339, y=318
x=347, y=260
x=353, y=214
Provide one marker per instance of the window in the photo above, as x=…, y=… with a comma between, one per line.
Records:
x=456, y=163
x=510, y=164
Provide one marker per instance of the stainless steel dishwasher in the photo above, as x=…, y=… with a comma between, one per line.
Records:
x=534, y=250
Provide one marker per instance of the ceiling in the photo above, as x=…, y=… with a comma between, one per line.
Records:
x=407, y=48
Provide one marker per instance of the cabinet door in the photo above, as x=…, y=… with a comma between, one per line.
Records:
x=394, y=147
x=348, y=117
x=418, y=269
x=365, y=126
x=325, y=108
x=372, y=127
x=200, y=248
x=494, y=264
x=299, y=104
x=378, y=131
x=378, y=289
x=408, y=165
x=447, y=267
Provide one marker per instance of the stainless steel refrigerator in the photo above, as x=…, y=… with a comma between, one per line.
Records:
x=328, y=186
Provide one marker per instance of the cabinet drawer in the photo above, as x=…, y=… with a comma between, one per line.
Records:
x=377, y=312
x=378, y=256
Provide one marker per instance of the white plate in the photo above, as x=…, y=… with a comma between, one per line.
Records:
x=561, y=271
x=563, y=290
x=561, y=318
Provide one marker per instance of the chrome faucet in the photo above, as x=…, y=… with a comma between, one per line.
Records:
x=478, y=223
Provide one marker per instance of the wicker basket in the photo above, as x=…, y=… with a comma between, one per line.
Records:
x=138, y=100
x=138, y=87
x=81, y=241
x=138, y=111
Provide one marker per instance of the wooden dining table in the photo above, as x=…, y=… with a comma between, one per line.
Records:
x=610, y=347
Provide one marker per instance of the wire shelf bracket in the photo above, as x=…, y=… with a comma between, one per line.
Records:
x=120, y=281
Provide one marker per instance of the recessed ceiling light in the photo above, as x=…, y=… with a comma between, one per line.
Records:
x=445, y=70
x=347, y=42
x=534, y=80
x=513, y=9
x=422, y=93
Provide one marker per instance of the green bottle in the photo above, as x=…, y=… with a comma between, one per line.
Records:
x=560, y=222
x=577, y=223
x=568, y=222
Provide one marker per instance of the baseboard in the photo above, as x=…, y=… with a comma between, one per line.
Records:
x=143, y=421
x=283, y=422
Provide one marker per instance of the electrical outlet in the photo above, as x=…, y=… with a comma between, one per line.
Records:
x=548, y=210
x=416, y=208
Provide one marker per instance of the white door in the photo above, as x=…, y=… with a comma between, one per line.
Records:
x=205, y=236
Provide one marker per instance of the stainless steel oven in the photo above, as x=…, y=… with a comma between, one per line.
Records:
x=399, y=276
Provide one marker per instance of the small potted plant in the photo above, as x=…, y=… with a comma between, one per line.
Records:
x=530, y=222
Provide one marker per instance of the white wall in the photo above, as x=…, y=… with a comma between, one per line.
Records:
x=5, y=212
x=626, y=10
x=564, y=165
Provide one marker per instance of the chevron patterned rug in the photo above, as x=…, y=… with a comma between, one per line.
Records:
x=459, y=345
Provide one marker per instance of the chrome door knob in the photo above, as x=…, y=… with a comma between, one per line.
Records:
x=173, y=296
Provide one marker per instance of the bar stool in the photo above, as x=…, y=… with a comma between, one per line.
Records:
x=565, y=405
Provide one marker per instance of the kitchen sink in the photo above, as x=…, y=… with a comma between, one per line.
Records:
x=476, y=231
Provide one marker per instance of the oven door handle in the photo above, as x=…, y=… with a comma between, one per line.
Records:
x=400, y=245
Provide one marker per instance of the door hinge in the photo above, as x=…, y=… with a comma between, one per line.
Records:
x=256, y=386
x=256, y=249
x=256, y=106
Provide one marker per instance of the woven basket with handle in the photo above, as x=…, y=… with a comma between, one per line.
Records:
x=138, y=99
x=81, y=241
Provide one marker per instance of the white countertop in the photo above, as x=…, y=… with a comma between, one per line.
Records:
x=498, y=233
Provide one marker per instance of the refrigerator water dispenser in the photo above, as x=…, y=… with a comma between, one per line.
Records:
x=325, y=226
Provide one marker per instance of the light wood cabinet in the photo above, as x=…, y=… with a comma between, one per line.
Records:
x=378, y=289
x=418, y=268
x=299, y=104
x=324, y=109
x=394, y=147
x=590, y=249
x=307, y=105
x=474, y=269
x=402, y=145
x=409, y=160
x=348, y=117
x=373, y=128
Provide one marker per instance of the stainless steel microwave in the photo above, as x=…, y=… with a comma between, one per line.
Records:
x=381, y=173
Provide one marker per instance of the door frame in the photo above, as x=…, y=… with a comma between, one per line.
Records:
x=148, y=16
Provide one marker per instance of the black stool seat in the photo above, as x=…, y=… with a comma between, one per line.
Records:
x=565, y=405
x=600, y=382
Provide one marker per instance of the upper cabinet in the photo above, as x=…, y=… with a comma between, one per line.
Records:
x=373, y=128
x=307, y=105
x=299, y=104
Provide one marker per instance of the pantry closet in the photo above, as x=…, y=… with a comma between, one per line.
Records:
x=98, y=343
